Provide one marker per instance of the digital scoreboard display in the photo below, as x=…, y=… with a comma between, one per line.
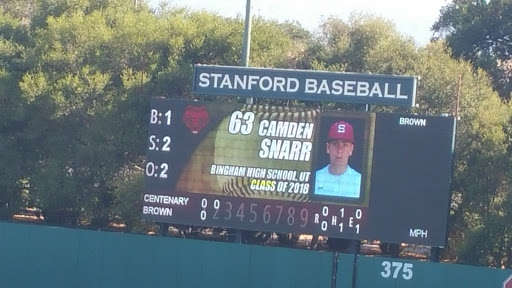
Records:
x=353, y=175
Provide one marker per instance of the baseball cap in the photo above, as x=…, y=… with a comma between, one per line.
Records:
x=341, y=130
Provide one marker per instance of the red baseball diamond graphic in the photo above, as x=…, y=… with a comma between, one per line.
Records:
x=195, y=118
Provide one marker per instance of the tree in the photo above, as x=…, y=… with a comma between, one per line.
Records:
x=480, y=179
x=18, y=9
x=363, y=44
x=15, y=163
x=480, y=32
x=74, y=81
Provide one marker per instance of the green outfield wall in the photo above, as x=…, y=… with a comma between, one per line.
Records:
x=43, y=256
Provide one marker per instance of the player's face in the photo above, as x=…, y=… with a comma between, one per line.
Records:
x=339, y=151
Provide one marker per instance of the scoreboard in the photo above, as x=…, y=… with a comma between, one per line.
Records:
x=259, y=167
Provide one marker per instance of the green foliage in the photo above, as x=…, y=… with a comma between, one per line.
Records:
x=364, y=44
x=479, y=31
x=128, y=184
x=47, y=9
x=19, y=9
x=15, y=161
x=480, y=177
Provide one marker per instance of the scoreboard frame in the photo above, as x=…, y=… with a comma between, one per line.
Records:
x=204, y=168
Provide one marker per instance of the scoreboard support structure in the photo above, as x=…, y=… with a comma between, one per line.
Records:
x=249, y=167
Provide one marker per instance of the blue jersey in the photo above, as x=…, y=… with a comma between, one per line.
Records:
x=347, y=184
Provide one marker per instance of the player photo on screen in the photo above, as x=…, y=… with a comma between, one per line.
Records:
x=341, y=159
x=337, y=178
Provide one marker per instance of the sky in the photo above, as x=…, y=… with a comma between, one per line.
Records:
x=411, y=17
